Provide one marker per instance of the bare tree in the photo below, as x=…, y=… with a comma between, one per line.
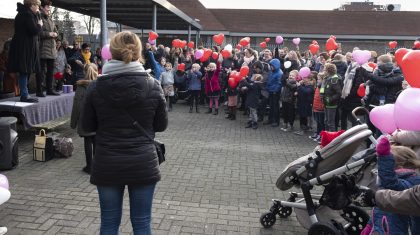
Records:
x=91, y=23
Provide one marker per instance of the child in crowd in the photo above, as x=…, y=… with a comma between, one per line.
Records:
x=167, y=80
x=331, y=92
x=288, y=100
x=194, y=86
x=305, y=94
x=232, y=94
x=398, y=170
x=91, y=73
x=318, y=109
x=253, y=92
x=212, y=86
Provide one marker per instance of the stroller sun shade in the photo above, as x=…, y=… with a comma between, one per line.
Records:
x=334, y=155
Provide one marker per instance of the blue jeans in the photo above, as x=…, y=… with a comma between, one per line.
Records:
x=23, y=84
x=111, y=200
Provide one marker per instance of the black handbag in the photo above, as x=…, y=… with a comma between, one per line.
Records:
x=159, y=146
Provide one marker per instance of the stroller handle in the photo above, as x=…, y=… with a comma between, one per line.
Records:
x=353, y=113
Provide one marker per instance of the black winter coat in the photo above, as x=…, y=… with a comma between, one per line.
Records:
x=353, y=100
x=252, y=94
x=304, y=100
x=24, y=48
x=124, y=156
x=341, y=68
x=385, y=81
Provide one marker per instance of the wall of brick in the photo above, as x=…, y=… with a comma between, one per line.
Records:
x=6, y=30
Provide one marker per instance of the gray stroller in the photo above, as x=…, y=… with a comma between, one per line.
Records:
x=336, y=169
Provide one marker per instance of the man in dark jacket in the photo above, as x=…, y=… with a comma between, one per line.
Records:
x=48, y=51
x=24, y=48
x=331, y=92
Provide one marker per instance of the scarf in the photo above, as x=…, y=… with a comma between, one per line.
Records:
x=86, y=56
x=247, y=61
x=117, y=66
x=348, y=79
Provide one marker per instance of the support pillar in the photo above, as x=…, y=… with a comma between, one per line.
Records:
x=154, y=17
x=104, y=29
x=189, y=33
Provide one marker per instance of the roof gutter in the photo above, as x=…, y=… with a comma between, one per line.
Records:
x=168, y=6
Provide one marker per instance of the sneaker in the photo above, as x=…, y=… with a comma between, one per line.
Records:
x=288, y=129
x=3, y=230
x=301, y=132
x=314, y=136
x=318, y=139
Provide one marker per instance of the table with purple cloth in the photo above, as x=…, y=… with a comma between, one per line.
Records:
x=47, y=109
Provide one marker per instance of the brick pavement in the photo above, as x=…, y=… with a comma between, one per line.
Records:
x=218, y=179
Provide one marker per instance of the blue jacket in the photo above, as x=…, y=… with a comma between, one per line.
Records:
x=157, y=68
x=389, y=179
x=274, y=79
x=194, y=80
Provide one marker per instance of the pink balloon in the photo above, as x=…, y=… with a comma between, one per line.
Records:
x=383, y=118
x=106, y=52
x=296, y=41
x=407, y=110
x=152, y=42
x=304, y=72
x=198, y=54
x=4, y=183
x=361, y=57
x=279, y=40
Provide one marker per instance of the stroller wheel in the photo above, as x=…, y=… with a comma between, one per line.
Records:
x=284, y=211
x=268, y=219
x=319, y=228
x=357, y=217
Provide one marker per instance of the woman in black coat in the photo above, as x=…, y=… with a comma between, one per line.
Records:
x=124, y=155
x=24, y=48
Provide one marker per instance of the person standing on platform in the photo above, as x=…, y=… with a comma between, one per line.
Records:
x=24, y=48
x=48, y=51
x=78, y=61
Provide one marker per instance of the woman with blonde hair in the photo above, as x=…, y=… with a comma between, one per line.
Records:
x=91, y=73
x=124, y=98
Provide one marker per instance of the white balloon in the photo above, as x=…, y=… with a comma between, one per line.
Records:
x=4, y=195
x=228, y=47
x=287, y=64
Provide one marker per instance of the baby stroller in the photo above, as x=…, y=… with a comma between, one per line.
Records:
x=333, y=168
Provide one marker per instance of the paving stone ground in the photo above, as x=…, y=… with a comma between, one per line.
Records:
x=218, y=179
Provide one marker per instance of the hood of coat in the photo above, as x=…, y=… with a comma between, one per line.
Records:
x=23, y=9
x=275, y=63
x=386, y=67
x=123, y=89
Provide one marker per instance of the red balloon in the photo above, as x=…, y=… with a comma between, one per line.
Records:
x=176, y=43
x=267, y=40
x=410, y=66
x=181, y=67
x=207, y=53
x=238, y=46
x=399, y=54
x=244, y=71
x=331, y=44
x=58, y=76
x=361, y=91
x=313, y=48
x=392, y=44
x=204, y=59
x=219, y=38
x=191, y=44
x=153, y=35
x=183, y=44
x=214, y=55
x=263, y=45
x=226, y=54
x=372, y=65
x=232, y=82
x=244, y=42
x=417, y=44
x=236, y=75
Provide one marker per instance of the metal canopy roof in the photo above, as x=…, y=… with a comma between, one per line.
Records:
x=134, y=13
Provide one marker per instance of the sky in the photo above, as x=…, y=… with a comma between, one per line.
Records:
x=8, y=7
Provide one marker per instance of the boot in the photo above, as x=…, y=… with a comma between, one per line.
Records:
x=52, y=92
x=233, y=113
x=254, y=125
x=197, y=110
x=191, y=109
x=210, y=110
x=229, y=113
x=216, y=112
x=249, y=124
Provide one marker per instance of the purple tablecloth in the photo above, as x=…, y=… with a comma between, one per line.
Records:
x=47, y=109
